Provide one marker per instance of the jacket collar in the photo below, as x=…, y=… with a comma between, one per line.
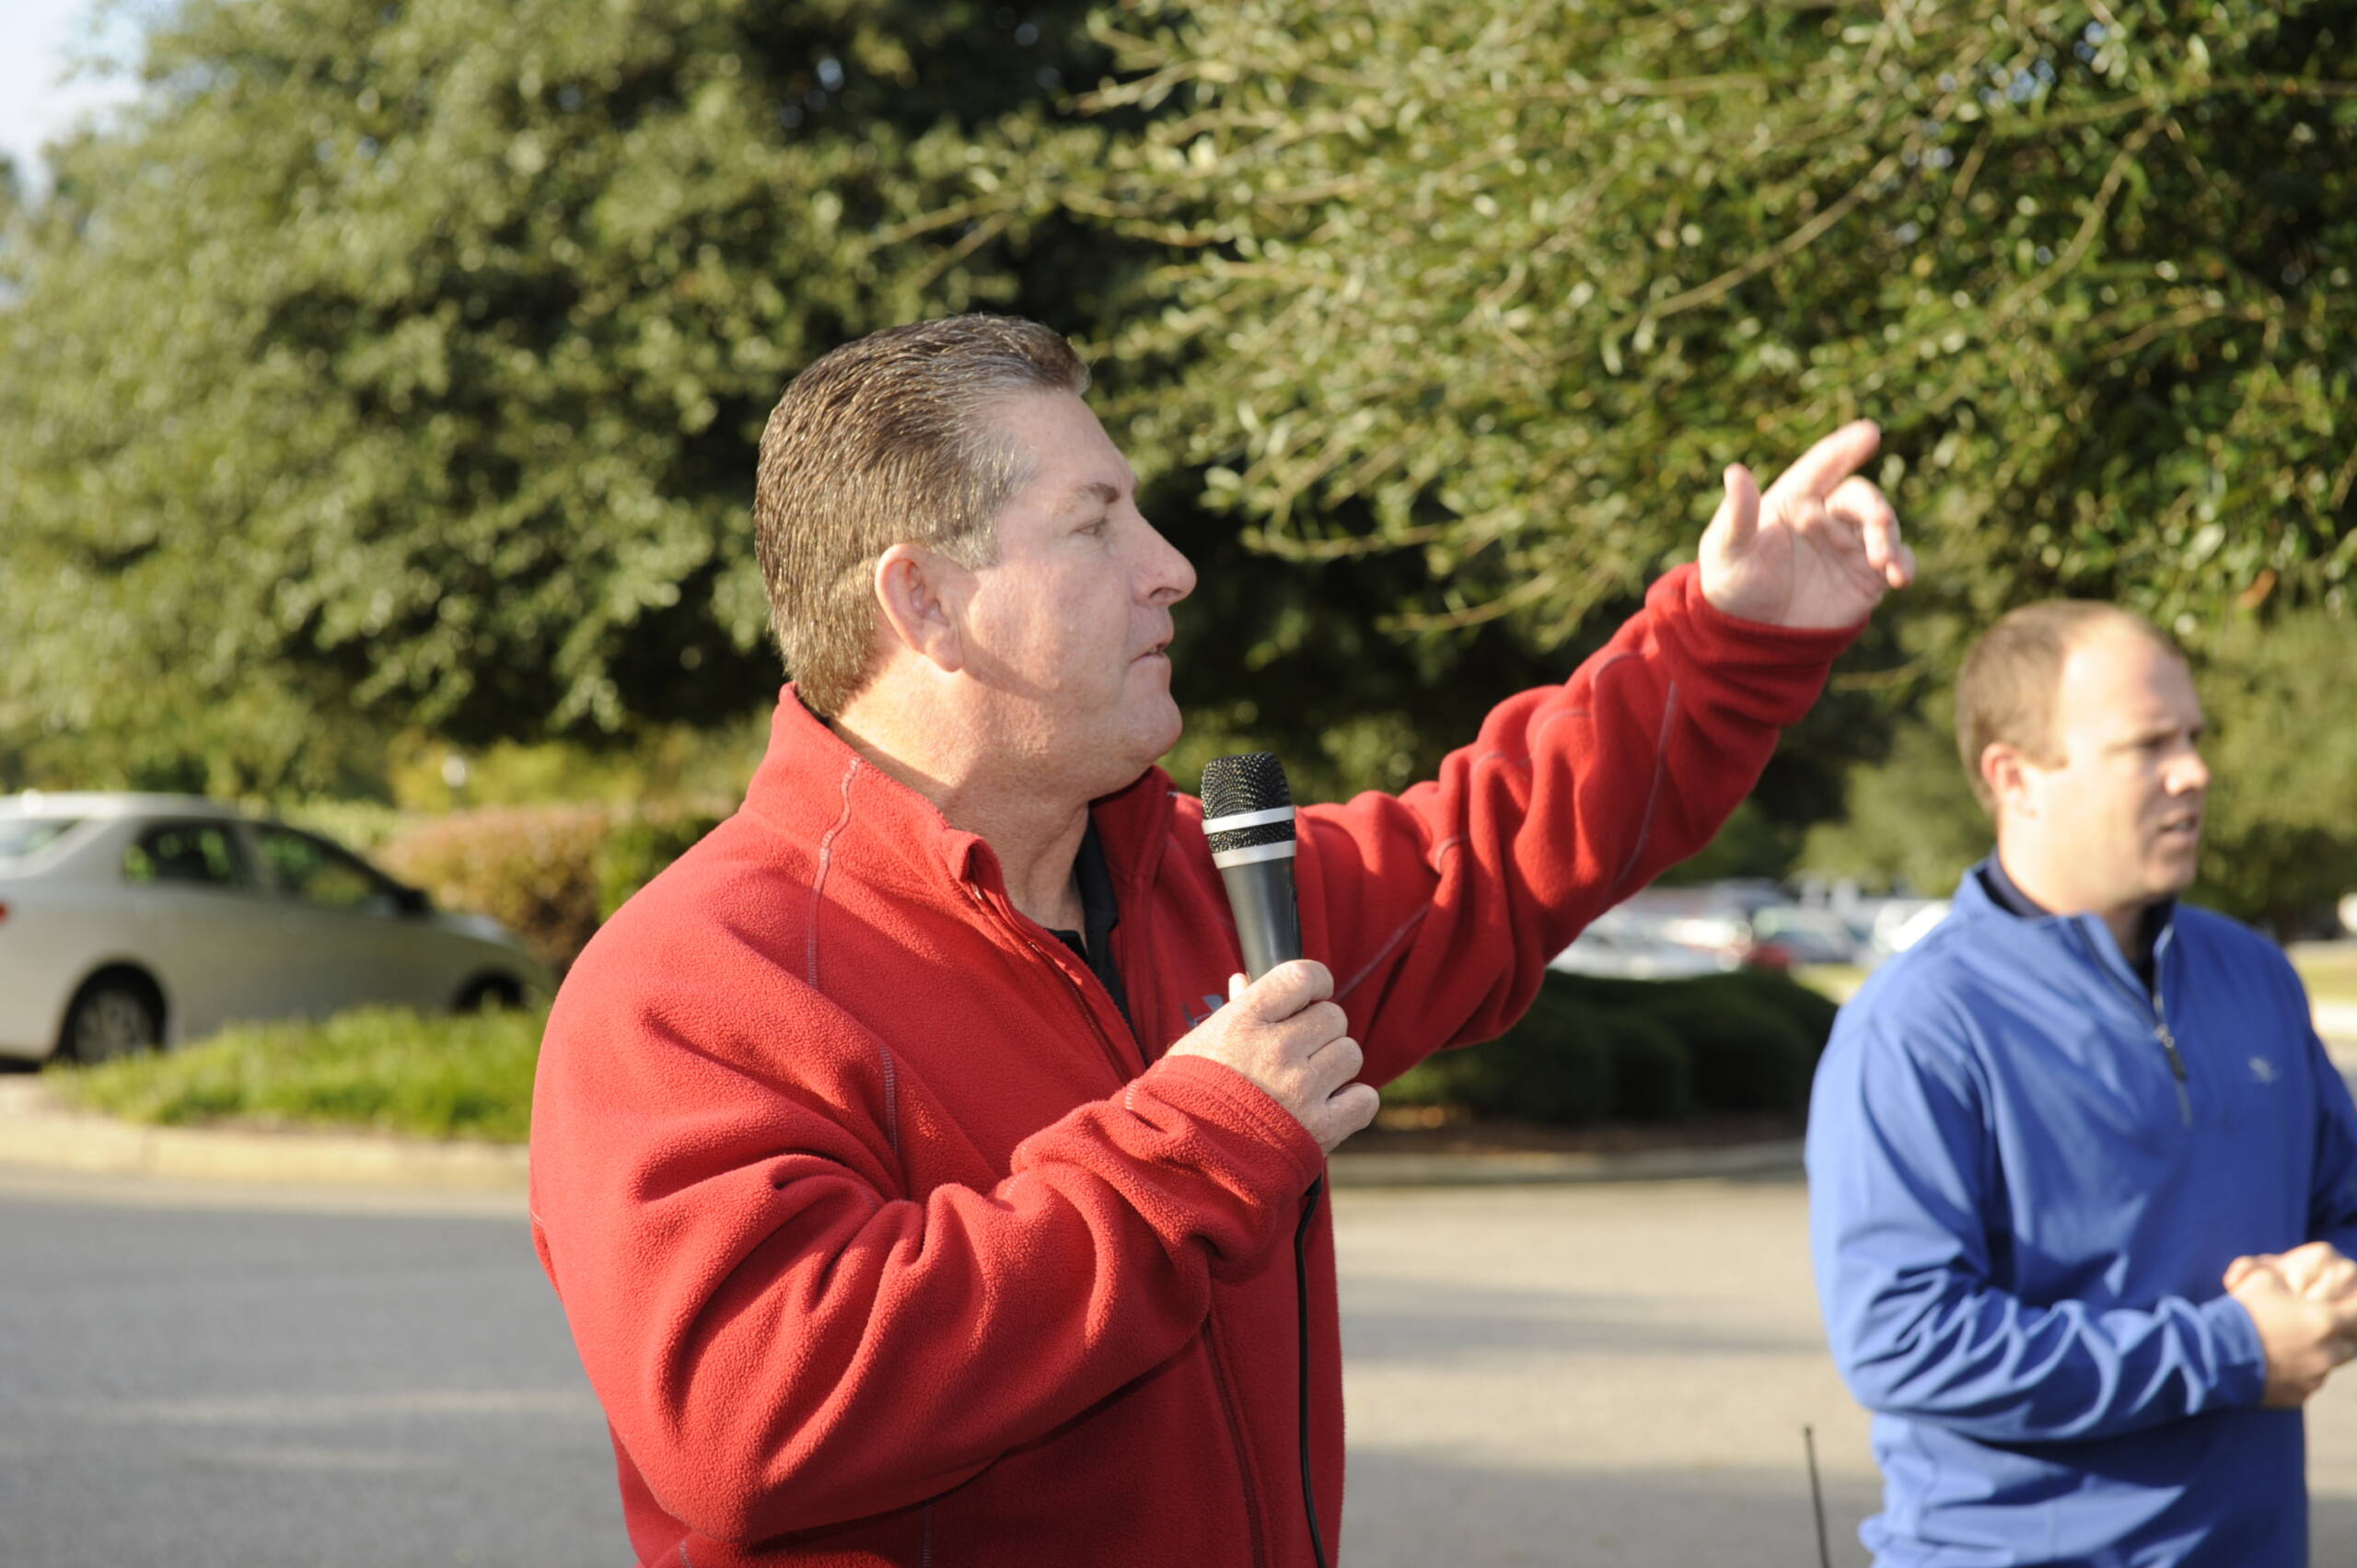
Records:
x=812, y=786
x=1987, y=893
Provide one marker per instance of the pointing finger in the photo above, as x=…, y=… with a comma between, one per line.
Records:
x=1738, y=516
x=1831, y=461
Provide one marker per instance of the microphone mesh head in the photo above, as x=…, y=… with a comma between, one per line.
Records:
x=1254, y=781
x=1234, y=786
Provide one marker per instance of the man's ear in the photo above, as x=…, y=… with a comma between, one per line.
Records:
x=912, y=590
x=2004, y=768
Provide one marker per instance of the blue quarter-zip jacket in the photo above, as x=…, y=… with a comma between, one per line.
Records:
x=2027, y=1176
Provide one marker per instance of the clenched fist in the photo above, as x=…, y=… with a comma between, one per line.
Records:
x=2305, y=1319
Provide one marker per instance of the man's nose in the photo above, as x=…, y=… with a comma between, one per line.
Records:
x=2190, y=775
x=1169, y=576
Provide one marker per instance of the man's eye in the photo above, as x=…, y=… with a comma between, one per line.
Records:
x=1097, y=527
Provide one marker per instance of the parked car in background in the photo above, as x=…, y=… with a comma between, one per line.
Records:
x=1621, y=945
x=1899, y=923
x=131, y=922
x=1806, y=935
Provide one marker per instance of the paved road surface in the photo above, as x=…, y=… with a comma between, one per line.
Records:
x=190, y=1385
x=1619, y=1375
x=1610, y=1375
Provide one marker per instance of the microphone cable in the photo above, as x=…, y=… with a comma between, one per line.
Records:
x=1301, y=1300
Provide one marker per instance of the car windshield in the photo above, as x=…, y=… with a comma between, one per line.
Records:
x=24, y=836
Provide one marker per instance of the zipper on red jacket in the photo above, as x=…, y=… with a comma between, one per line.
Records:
x=1122, y=1072
x=1210, y=1331
x=1122, y=1069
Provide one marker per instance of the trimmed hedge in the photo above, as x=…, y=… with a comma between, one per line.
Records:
x=1593, y=1049
x=551, y=874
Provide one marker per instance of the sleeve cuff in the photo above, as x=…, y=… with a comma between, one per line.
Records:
x=1226, y=1100
x=2242, y=1360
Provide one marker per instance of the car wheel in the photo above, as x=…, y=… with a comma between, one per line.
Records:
x=115, y=1016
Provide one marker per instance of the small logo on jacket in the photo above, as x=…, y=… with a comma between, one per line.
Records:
x=2262, y=1070
x=1213, y=1003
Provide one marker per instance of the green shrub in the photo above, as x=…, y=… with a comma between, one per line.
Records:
x=1546, y=1069
x=642, y=843
x=1593, y=1048
x=551, y=874
x=532, y=869
x=1810, y=1010
x=386, y=1068
x=1654, y=1071
x=1746, y=1055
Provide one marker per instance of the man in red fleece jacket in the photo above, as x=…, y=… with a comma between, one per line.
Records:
x=919, y=1186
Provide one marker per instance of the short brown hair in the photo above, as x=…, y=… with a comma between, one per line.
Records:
x=886, y=441
x=2006, y=690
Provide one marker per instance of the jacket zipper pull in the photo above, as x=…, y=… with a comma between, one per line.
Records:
x=2176, y=1069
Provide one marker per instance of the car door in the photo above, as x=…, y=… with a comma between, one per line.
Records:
x=200, y=921
x=346, y=919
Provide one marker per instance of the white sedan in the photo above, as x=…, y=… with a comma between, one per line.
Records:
x=131, y=922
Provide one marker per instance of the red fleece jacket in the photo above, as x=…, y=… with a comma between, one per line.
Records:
x=884, y=1240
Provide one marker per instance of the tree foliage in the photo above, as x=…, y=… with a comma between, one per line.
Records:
x=1505, y=287
x=403, y=363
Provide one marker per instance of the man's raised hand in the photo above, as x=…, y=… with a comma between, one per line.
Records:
x=1818, y=550
x=1282, y=1032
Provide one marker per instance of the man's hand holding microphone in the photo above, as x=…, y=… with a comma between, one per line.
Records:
x=1283, y=1033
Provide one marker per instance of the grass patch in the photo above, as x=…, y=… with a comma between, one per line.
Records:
x=377, y=1067
x=1837, y=981
x=2329, y=972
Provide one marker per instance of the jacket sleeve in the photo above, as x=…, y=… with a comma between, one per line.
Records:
x=1901, y=1173
x=1438, y=910
x=781, y=1340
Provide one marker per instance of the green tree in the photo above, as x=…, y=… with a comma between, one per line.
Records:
x=1505, y=288
x=2279, y=839
x=403, y=365
x=1911, y=821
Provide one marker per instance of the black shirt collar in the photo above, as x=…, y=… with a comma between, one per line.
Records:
x=2007, y=896
x=1099, y=912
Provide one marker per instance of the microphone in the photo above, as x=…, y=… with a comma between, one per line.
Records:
x=1247, y=816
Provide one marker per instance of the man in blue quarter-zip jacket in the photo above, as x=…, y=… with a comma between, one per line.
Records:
x=2081, y=1177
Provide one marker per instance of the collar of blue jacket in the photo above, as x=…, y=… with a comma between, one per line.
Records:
x=2003, y=893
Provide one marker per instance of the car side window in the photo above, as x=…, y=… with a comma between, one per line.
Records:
x=321, y=874
x=183, y=852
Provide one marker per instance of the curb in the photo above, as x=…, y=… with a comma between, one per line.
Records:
x=36, y=1130
x=1781, y=1158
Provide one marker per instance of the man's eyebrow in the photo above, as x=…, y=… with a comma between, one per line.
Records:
x=1095, y=490
x=2158, y=730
